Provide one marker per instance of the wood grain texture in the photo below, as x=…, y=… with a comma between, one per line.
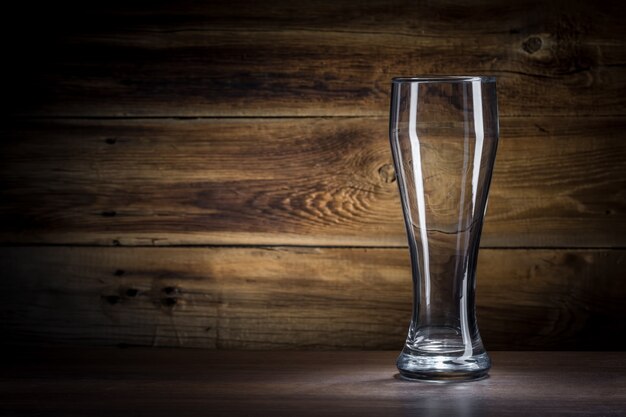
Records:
x=298, y=298
x=165, y=382
x=100, y=146
x=324, y=58
x=558, y=182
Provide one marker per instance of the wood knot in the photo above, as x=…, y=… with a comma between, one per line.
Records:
x=110, y=141
x=532, y=44
x=109, y=213
x=387, y=173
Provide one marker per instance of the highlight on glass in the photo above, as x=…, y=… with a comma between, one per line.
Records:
x=444, y=136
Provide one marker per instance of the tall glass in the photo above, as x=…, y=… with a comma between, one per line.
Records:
x=444, y=135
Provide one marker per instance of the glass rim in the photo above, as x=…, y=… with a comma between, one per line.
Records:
x=444, y=79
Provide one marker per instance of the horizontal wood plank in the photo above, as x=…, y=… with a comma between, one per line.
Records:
x=324, y=58
x=165, y=382
x=298, y=298
x=558, y=182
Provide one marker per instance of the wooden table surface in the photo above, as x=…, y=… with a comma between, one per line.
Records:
x=184, y=382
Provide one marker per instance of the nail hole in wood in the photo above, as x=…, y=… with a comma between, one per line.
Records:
x=171, y=290
x=169, y=301
x=111, y=299
x=110, y=141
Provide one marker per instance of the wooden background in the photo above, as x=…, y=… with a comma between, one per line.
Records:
x=219, y=175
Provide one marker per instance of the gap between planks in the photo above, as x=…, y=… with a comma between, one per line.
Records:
x=284, y=117
x=278, y=245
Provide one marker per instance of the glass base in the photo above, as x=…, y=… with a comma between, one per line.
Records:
x=440, y=368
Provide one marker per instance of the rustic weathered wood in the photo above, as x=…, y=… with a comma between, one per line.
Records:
x=303, y=298
x=166, y=382
x=557, y=182
x=319, y=58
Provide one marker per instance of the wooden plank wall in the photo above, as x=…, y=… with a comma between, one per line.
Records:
x=219, y=175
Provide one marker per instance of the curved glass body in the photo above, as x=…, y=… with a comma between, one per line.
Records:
x=444, y=135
